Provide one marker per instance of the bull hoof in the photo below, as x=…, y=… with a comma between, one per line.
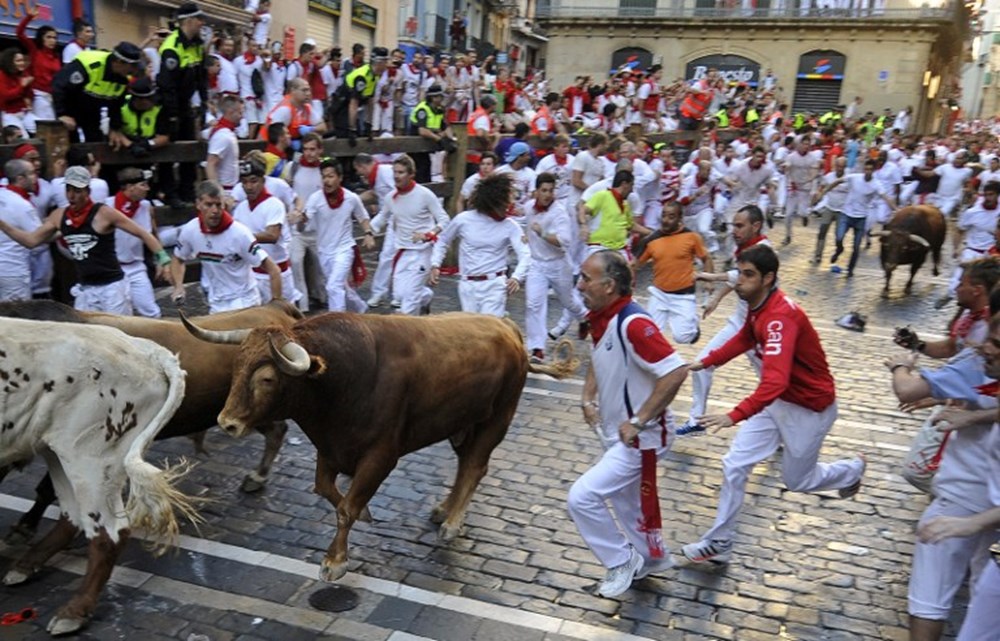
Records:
x=252, y=484
x=448, y=533
x=438, y=515
x=16, y=577
x=60, y=625
x=19, y=534
x=885, y=293
x=365, y=516
x=330, y=572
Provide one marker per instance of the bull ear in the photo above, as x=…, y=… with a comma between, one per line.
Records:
x=317, y=366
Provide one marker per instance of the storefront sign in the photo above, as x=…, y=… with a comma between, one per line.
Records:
x=822, y=65
x=732, y=69
x=631, y=58
x=55, y=13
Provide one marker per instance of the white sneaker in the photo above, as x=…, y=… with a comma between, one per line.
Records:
x=656, y=566
x=374, y=302
x=557, y=332
x=716, y=551
x=619, y=578
x=396, y=303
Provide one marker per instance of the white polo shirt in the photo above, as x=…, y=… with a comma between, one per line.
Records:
x=17, y=211
x=334, y=227
x=483, y=245
x=227, y=259
x=269, y=211
x=224, y=144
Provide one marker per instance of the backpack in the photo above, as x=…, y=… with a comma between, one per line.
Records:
x=257, y=83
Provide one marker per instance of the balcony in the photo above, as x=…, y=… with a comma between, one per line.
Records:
x=732, y=10
x=216, y=11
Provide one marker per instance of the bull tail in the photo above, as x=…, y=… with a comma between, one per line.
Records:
x=152, y=496
x=564, y=364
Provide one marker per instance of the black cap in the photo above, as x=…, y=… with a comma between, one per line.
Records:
x=380, y=54
x=142, y=88
x=434, y=90
x=654, y=69
x=252, y=167
x=128, y=52
x=189, y=10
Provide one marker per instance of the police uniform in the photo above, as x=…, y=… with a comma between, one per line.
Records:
x=182, y=75
x=423, y=116
x=87, y=85
x=358, y=84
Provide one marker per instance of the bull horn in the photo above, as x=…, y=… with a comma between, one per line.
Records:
x=226, y=337
x=921, y=240
x=292, y=358
x=881, y=234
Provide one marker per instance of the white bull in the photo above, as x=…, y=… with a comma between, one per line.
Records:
x=90, y=400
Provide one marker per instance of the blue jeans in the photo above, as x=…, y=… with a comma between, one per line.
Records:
x=845, y=222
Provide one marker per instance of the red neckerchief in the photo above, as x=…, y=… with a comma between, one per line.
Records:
x=404, y=190
x=413, y=69
x=224, y=223
x=305, y=162
x=613, y=157
x=750, y=243
x=76, y=217
x=20, y=192
x=989, y=208
x=599, y=319
x=618, y=198
x=213, y=81
x=960, y=328
x=336, y=199
x=542, y=210
x=989, y=389
x=126, y=205
x=273, y=149
x=560, y=160
x=261, y=197
x=223, y=124
x=249, y=57
x=373, y=175
x=392, y=71
x=698, y=180
x=993, y=251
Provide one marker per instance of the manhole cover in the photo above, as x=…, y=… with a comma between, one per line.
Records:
x=334, y=599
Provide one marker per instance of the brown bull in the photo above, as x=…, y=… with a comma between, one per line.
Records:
x=367, y=390
x=209, y=372
x=906, y=239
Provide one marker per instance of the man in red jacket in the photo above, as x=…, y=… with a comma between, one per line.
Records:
x=794, y=404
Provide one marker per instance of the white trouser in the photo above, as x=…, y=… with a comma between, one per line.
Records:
x=956, y=274
x=615, y=479
x=409, y=279
x=947, y=204
x=383, y=273
x=340, y=296
x=42, y=107
x=141, y=290
x=701, y=381
x=906, y=192
x=543, y=274
x=701, y=222
x=939, y=568
x=382, y=118
x=983, y=616
x=112, y=298
x=879, y=214
x=679, y=312
x=254, y=113
x=41, y=270
x=306, y=269
x=801, y=431
x=15, y=288
x=250, y=299
x=484, y=296
x=288, y=291
x=652, y=213
x=796, y=206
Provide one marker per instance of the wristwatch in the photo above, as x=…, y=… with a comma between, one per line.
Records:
x=634, y=422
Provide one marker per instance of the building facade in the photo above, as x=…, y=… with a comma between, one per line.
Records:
x=892, y=53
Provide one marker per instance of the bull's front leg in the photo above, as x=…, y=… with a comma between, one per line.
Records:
x=274, y=437
x=102, y=553
x=370, y=473
x=326, y=486
x=888, y=279
x=57, y=538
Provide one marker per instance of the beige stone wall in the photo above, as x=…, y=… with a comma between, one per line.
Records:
x=902, y=53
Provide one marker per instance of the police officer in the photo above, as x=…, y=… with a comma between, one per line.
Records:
x=832, y=117
x=427, y=121
x=356, y=93
x=722, y=115
x=182, y=75
x=143, y=121
x=95, y=80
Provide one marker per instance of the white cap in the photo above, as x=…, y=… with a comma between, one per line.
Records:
x=309, y=41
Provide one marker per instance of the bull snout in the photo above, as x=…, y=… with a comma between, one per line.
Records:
x=232, y=426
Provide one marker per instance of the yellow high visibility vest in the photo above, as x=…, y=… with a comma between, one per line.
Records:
x=96, y=63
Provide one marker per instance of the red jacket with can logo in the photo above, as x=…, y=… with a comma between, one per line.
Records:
x=794, y=364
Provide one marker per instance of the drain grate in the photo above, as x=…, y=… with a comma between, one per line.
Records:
x=334, y=599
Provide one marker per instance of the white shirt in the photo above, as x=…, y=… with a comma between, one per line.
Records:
x=524, y=185
x=861, y=195
x=417, y=211
x=270, y=211
x=592, y=169
x=17, y=211
x=228, y=80
x=987, y=177
x=129, y=247
x=153, y=58
x=412, y=80
x=274, y=186
x=69, y=52
x=554, y=222
x=244, y=74
x=306, y=181
x=750, y=181
x=45, y=199
x=334, y=227
x=890, y=176
x=274, y=83
x=978, y=223
x=690, y=186
x=952, y=180
x=833, y=199
x=385, y=182
x=563, y=174
x=801, y=171
x=227, y=259
x=262, y=28
x=99, y=191
x=483, y=245
x=332, y=79
x=224, y=144
x=469, y=184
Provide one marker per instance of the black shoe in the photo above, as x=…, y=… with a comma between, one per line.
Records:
x=425, y=310
x=850, y=273
x=787, y=241
x=769, y=217
x=836, y=255
x=805, y=221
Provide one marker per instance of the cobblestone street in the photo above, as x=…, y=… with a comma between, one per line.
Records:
x=805, y=567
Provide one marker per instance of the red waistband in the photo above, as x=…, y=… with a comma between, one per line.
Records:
x=482, y=277
x=282, y=266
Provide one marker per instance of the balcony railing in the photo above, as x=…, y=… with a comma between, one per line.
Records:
x=725, y=10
